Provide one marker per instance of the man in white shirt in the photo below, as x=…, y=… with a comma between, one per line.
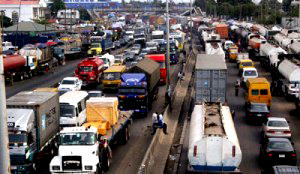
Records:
x=158, y=122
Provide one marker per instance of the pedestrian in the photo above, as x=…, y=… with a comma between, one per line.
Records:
x=158, y=122
x=237, y=86
x=180, y=76
x=168, y=97
x=233, y=114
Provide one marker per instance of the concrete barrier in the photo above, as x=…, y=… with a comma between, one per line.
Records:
x=157, y=153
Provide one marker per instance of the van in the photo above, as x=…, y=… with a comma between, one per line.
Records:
x=258, y=91
x=73, y=108
x=233, y=52
x=112, y=77
x=248, y=73
x=246, y=63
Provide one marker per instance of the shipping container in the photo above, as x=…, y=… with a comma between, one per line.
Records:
x=210, y=79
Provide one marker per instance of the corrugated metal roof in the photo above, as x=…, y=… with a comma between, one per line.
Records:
x=29, y=27
x=206, y=61
x=17, y=2
x=30, y=98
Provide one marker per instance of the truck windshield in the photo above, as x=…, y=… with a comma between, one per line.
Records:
x=250, y=73
x=67, y=110
x=112, y=76
x=17, y=138
x=132, y=90
x=247, y=64
x=95, y=45
x=68, y=82
x=78, y=138
x=86, y=68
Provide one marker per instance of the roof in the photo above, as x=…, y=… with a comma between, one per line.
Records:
x=30, y=98
x=212, y=61
x=137, y=76
x=70, y=78
x=29, y=27
x=17, y=2
x=258, y=80
x=246, y=60
x=276, y=118
x=20, y=117
x=115, y=68
x=156, y=56
x=72, y=97
x=249, y=68
x=146, y=65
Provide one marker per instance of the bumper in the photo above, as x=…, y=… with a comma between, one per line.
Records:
x=20, y=169
x=268, y=135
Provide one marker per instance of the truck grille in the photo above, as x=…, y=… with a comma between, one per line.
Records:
x=17, y=159
x=71, y=163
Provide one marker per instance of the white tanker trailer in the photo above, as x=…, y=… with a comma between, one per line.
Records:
x=269, y=54
x=213, y=142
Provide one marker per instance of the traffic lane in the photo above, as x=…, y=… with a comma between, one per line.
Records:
x=248, y=134
x=45, y=80
x=127, y=158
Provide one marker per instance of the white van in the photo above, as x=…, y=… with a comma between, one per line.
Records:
x=73, y=108
x=248, y=73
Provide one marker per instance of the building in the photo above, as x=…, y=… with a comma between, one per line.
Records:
x=90, y=4
x=68, y=16
x=23, y=10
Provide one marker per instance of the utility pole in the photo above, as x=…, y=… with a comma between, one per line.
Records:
x=4, y=151
x=191, y=22
x=168, y=46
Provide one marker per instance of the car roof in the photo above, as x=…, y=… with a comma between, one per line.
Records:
x=249, y=68
x=279, y=139
x=276, y=119
x=70, y=78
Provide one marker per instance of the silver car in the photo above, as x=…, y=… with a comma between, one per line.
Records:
x=276, y=127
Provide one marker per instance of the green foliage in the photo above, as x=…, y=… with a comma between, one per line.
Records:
x=56, y=5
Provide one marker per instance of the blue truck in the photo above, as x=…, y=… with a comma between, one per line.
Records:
x=139, y=87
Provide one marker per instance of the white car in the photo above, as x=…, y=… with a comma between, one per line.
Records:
x=276, y=127
x=69, y=84
x=249, y=73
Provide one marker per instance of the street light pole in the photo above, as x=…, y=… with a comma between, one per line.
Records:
x=4, y=152
x=168, y=46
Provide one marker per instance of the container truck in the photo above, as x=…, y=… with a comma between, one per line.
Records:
x=213, y=143
x=210, y=78
x=86, y=149
x=254, y=42
x=222, y=30
x=139, y=87
x=90, y=70
x=160, y=58
x=214, y=47
x=33, y=125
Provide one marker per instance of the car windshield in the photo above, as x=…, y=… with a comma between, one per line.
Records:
x=132, y=90
x=250, y=73
x=112, y=76
x=151, y=44
x=247, y=63
x=80, y=138
x=86, y=68
x=277, y=123
x=17, y=138
x=68, y=82
x=67, y=110
x=259, y=108
x=95, y=94
x=280, y=145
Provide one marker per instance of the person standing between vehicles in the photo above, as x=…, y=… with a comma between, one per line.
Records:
x=158, y=122
x=237, y=86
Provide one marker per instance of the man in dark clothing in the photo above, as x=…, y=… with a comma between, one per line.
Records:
x=237, y=86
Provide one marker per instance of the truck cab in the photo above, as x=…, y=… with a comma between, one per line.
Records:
x=96, y=49
x=78, y=151
x=21, y=133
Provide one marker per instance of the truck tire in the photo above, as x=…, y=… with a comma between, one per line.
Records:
x=99, y=170
x=105, y=159
x=125, y=134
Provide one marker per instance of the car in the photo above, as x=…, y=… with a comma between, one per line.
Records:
x=117, y=44
x=282, y=169
x=138, y=46
x=277, y=151
x=69, y=84
x=257, y=111
x=248, y=73
x=119, y=60
x=276, y=127
x=135, y=50
x=122, y=42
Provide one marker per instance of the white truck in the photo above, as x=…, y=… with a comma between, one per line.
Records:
x=157, y=34
x=213, y=142
x=8, y=46
x=33, y=125
x=108, y=60
x=86, y=149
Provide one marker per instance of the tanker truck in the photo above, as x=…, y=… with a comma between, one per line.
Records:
x=213, y=142
x=268, y=55
x=86, y=149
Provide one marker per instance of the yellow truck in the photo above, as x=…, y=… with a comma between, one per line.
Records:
x=233, y=52
x=112, y=77
x=258, y=91
x=46, y=89
x=95, y=49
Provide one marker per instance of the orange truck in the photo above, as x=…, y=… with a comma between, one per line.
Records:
x=222, y=30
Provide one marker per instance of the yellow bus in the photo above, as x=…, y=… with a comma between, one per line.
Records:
x=258, y=90
x=112, y=76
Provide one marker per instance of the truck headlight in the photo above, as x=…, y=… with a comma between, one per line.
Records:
x=88, y=167
x=55, y=167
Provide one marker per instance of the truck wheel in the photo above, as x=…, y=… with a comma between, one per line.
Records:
x=105, y=159
x=99, y=170
x=125, y=135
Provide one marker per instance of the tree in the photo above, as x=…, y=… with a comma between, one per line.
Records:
x=56, y=5
x=7, y=22
x=84, y=15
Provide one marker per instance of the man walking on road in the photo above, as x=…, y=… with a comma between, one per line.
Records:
x=158, y=122
x=237, y=86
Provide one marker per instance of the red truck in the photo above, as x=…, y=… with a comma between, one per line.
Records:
x=160, y=58
x=90, y=70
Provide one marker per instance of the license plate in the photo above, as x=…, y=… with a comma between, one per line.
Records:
x=278, y=132
x=281, y=155
x=13, y=167
x=259, y=115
